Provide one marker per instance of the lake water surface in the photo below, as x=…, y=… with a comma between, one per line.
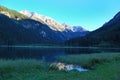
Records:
x=47, y=54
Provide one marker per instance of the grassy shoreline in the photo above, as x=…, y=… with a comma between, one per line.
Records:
x=89, y=60
x=108, y=69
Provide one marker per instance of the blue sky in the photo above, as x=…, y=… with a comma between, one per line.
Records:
x=91, y=14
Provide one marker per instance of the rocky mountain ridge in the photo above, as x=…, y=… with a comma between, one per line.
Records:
x=31, y=30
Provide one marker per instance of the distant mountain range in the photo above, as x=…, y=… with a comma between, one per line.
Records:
x=32, y=28
x=106, y=36
x=54, y=25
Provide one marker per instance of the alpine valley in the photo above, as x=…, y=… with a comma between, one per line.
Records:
x=106, y=36
x=37, y=47
x=26, y=27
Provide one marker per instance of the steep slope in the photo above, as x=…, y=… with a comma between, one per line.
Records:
x=16, y=28
x=106, y=36
x=32, y=28
x=65, y=29
x=53, y=24
x=45, y=19
x=12, y=13
x=79, y=29
x=12, y=33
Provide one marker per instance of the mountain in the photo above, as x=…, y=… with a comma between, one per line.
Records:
x=73, y=32
x=106, y=36
x=68, y=31
x=45, y=19
x=16, y=28
x=79, y=29
x=67, y=28
x=53, y=24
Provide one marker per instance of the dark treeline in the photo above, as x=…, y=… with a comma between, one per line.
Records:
x=106, y=36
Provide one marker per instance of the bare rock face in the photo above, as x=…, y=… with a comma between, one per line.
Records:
x=45, y=19
x=33, y=28
x=53, y=24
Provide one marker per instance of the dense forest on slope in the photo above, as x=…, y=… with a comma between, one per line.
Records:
x=106, y=36
x=14, y=33
x=17, y=28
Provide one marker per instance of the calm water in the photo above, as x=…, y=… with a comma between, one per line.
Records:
x=46, y=54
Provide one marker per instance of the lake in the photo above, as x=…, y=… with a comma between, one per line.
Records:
x=47, y=53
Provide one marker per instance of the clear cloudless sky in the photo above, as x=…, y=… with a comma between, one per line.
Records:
x=91, y=14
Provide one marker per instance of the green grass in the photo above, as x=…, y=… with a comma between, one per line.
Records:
x=108, y=69
x=18, y=69
x=89, y=60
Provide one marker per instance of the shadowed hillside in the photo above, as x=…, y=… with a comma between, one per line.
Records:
x=17, y=28
x=106, y=36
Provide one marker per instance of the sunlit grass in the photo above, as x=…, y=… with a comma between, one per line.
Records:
x=20, y=66
x=89, y=60
x=31, y=70
x=28, y=69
